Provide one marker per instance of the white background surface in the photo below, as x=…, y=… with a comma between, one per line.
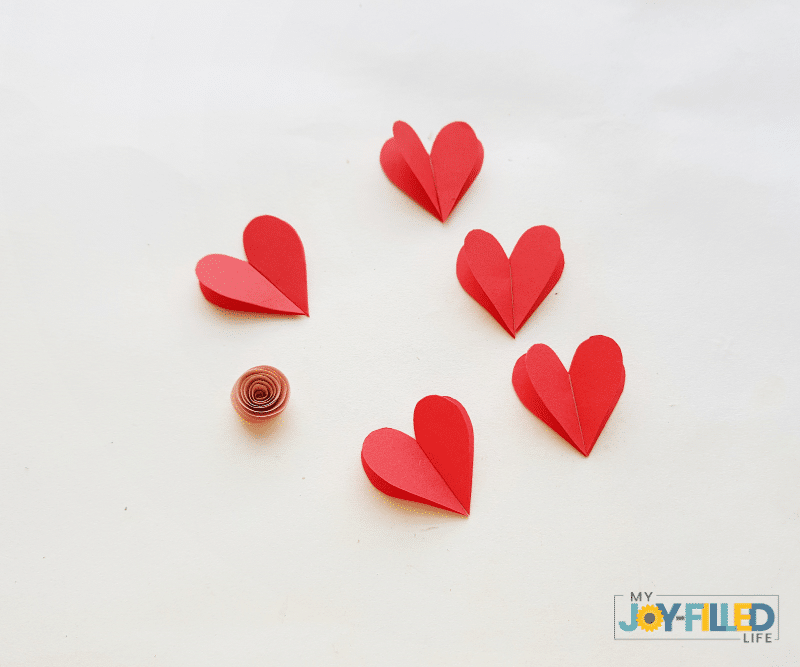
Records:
x=142, y=523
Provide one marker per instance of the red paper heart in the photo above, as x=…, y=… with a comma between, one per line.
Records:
x=510, y=289
x=438, y=181
x=274, y=280
x=436, y=468
x=576, y=405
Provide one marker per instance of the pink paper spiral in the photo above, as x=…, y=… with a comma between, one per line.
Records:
x=261, y=393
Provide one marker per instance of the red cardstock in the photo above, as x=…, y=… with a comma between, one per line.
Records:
x=438, y=181
x=273, y=280
x=510, y=289
x=436, y=468
x=576, y=405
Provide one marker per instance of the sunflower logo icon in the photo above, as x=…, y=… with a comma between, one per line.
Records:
x=650, y=618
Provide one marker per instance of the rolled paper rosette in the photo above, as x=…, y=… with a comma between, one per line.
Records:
x=260, y=394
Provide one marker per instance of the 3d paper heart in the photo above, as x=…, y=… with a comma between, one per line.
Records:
x=438, y=181
x=436, y=468
x=510, y=289
x=576, y=405
x=273, y=280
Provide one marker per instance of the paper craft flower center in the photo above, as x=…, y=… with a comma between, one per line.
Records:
x=260, y=393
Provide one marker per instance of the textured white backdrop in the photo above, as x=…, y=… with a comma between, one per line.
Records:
x=142, y=523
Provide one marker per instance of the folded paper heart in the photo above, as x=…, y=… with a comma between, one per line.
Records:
x=438, y=181
x=272, y=280
x=436, y=468
x=576, y=405
x=510, y=289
